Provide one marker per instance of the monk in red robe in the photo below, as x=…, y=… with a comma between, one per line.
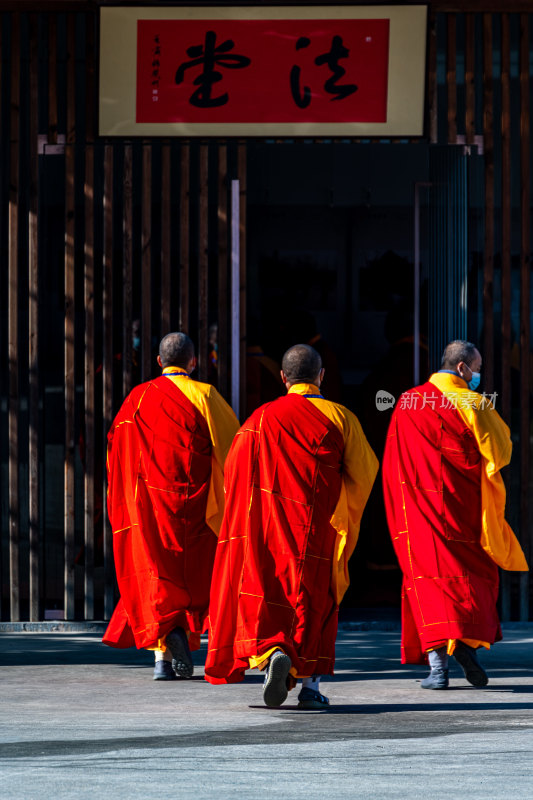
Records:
x=166, y=453
x=445, y=501
x=297, y=479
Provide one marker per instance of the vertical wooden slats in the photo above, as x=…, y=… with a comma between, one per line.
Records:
x=69, y=288
x=488, y=262
x=33, y=332
x=203, y=321
x=242, y=175
x=470, y=90
x=525, y=309
x=146, y=267
x=107, y=365
x=13, y=326
x=89, y=394
x=223, y=267
x=166, y=223
x=506, y=217
x=185, y=178
x=127, y=223
x=451, y=78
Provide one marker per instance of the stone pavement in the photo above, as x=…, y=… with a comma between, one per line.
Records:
x=80, y=720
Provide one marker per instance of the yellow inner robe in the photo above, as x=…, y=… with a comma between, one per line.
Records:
x=223, y=425
x=494, y=442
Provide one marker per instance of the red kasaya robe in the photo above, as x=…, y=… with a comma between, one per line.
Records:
x=433, y=474
x=159, y=468
x=272, y=579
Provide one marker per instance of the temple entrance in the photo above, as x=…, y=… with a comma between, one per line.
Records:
x=330, y=262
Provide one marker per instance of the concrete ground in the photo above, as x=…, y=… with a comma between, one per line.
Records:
x=80, y=720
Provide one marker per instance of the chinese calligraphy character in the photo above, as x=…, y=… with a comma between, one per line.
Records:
x=210, y=56
x=331, y=60
x=408, y=400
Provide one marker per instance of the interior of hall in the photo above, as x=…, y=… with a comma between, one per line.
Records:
x=330, y=262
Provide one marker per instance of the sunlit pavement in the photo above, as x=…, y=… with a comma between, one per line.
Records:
x=80, y=720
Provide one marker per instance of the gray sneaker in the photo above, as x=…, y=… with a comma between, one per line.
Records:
x=467, y=659
x=178, y=645
x=275, y=687
x=437, y=679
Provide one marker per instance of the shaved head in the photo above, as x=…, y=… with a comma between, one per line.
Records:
x=301, y=364
x=176, y=350
x=457, y=351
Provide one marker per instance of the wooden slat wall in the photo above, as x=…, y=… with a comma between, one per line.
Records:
x=504, y=164
x=112, y=233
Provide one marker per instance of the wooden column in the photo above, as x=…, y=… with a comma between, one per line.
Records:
x=185, y=178
x=203, y=318
x=69, y=387
x=33, y=332
x=166, y=225
x=488, y=265
x=146, y=242
x=107, y=367
x=525, y=309
x=432, y=80
x=13, y=326
x=89, y=394
x=451, y=78
x=242, y=174
x=470, y=92
x=223, y=267
x=127, y=268
x=505, y=406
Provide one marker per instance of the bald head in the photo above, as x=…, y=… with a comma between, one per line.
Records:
x=301, y=364
x=459, y=351
x=176, y=350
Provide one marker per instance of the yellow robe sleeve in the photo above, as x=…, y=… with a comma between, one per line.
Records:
x=360, y=467
x=223, y=425
x=494, y=443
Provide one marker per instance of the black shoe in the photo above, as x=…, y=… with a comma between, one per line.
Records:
x=177, y=643
x=437, y=679
x=467, y=659
x=275, y=687
x=312, y=700
x=163, y=671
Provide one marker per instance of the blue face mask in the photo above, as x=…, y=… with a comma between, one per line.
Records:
x=136, y=342
x=474, y=381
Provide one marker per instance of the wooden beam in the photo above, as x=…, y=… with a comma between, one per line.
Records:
x=13, y=326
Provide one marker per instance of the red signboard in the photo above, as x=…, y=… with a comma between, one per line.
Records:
x=262, y=71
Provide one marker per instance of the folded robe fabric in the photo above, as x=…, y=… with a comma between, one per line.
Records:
x=275, y=579
x=159, y=467
x=435, y=474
